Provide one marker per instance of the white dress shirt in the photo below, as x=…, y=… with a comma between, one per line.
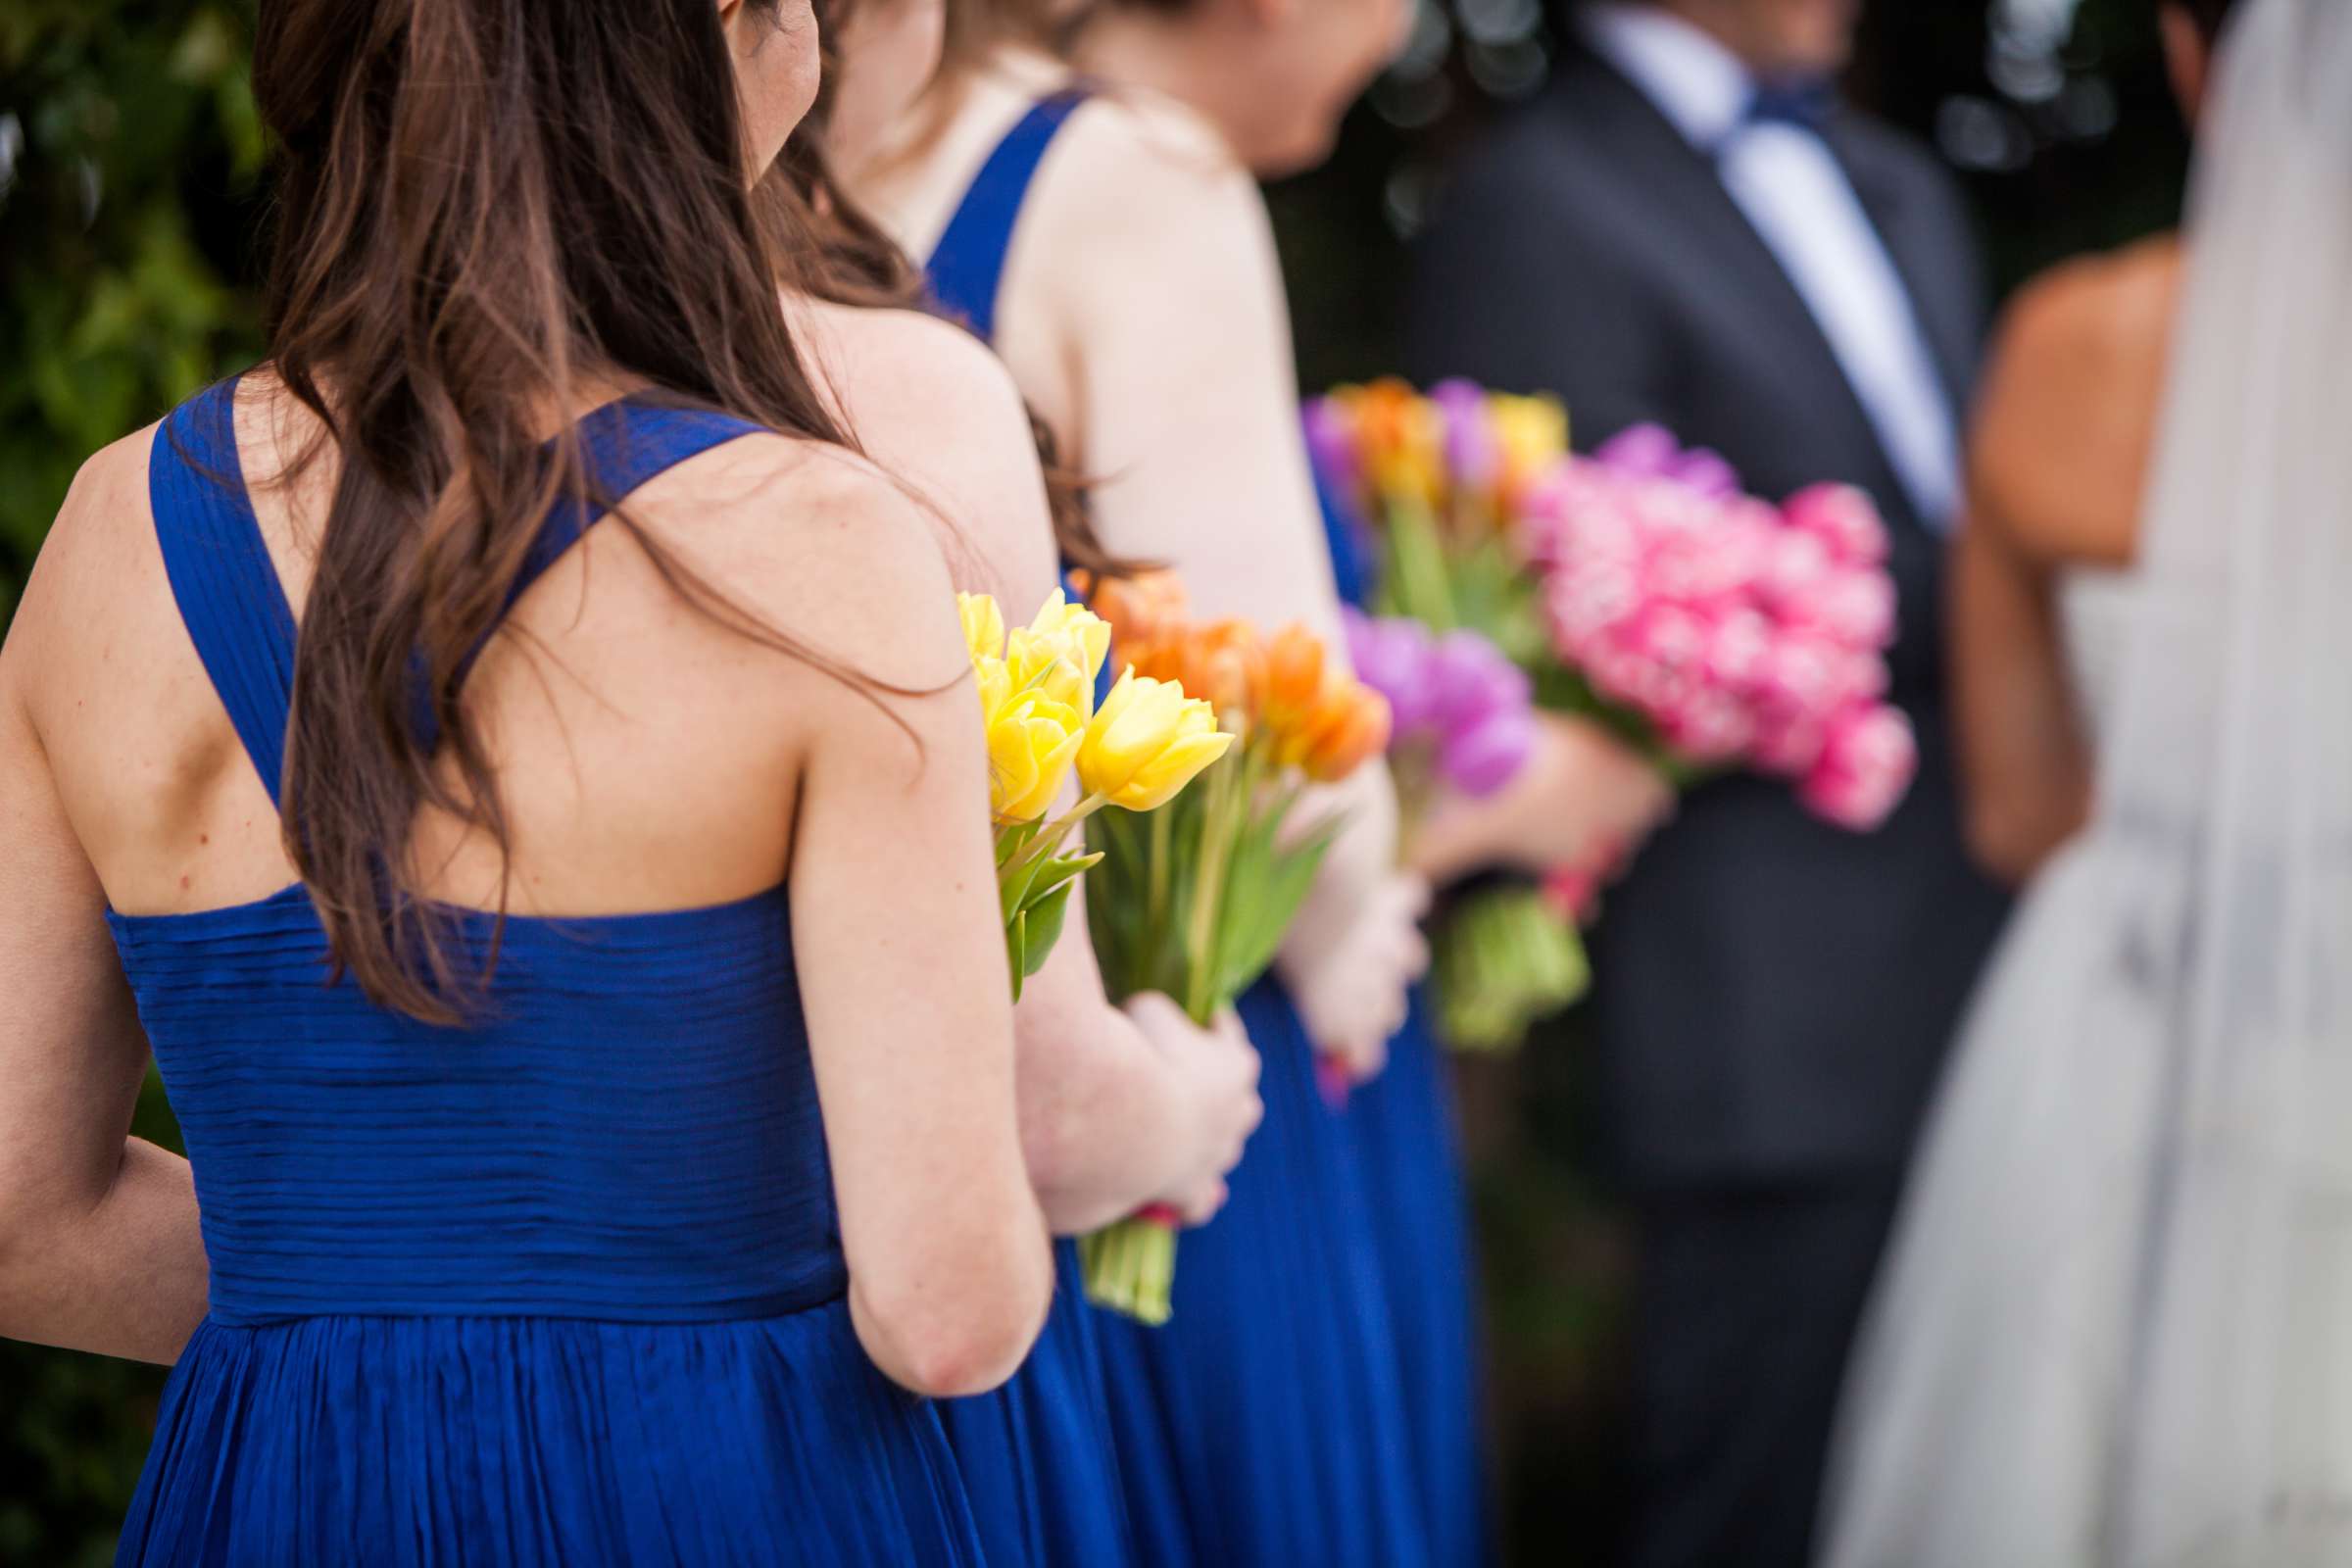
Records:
x=1795, y=195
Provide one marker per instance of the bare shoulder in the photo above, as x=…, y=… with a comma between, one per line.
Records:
x=2071, y=395
x=939, y=413
x=1147, y=175
x=2085, y=316
x=888, y=362
x=99, y=571
x=821, y=545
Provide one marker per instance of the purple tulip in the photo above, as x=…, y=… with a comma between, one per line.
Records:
x=1642, y=450
x=1488, y=754
x=1392, y=657
x=1470, y=681
x=1473, y=454
x=1331, y=446
x=1708, y=473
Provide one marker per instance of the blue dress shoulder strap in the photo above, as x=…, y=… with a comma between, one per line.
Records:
x=221, y=577
x=226, y=587
x=966, y=267
x=623, y=445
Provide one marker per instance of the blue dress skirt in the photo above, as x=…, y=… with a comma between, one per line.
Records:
x=1265, y=1422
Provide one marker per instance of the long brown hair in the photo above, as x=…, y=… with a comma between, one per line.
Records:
x=855, y=262
x=481, y=205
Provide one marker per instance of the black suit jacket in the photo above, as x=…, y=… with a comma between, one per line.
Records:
x=1773, y=994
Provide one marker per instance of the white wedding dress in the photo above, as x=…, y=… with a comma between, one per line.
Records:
x=2114, y=1330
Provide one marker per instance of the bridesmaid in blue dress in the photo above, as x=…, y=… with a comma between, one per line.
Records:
x=1264, y=1424
x=592, y=1043
x=1134, y=1106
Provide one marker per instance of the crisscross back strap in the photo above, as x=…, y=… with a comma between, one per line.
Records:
x=226, y=586
x=967, y=268
x=221, y=577
x=623, y=446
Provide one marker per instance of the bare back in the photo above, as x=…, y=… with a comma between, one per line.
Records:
x=649, y=755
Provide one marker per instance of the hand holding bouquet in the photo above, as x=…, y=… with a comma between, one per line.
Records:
x=1465, y=728
x=1193, y=900
x=1446, y=486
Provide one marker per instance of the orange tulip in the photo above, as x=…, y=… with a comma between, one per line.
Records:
x=1295, y=672
x=1146, y=656
x=1225, y=663
x=1352, y=727
x=1140, y=607
x=1403, y=440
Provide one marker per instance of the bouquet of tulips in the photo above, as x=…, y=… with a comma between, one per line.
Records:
x=1037, y=695
x=1193, y=900
x=1716, y=632
x=1444, y=482
x=1448, y=485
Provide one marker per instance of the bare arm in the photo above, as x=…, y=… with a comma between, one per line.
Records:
x=2025, y=769
x=897, y=943
x=99, y=1248
x=1113, y=1115
x=2056, y=464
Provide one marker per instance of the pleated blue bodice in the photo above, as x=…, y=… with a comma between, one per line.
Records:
x=560, y=1286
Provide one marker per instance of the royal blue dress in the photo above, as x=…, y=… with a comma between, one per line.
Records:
x=1264, y=1424
x=1408, y=1135
x=561, y=1288
x=1038, y=1452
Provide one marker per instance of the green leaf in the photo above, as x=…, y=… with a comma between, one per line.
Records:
x=1057, y=872
x=1043, y=920
x=1013, y=887
x=1017, y=951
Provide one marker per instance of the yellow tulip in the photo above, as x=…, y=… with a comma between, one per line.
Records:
x=1146, y=742
x=994, y=682
x=1051, y=665
x=1533, y=433
x=1032, y=741
x=983, y=626
x=1085, y=633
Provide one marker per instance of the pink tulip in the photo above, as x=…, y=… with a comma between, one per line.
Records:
x=1712, y=728
x=1867, y=760
x=1842, y=518
x=1801, y=674
x=1854, y=606
x=1796, y=569
x=1738, y=646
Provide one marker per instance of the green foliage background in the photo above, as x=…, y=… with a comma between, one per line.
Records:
x=128, y=150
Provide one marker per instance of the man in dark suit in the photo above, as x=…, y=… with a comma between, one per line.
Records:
x=1688, y=230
